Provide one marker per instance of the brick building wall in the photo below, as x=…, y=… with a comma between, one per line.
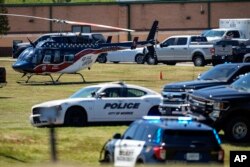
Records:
x=174, y=18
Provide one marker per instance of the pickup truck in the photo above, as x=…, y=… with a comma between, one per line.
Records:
x=185, y=48
x=2, y=77
x=175, y=95
x=230, y=50
x=225, y=108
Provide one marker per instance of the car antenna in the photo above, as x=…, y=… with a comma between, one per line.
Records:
x=32, y=44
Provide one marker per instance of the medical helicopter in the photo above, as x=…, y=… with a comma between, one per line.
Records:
x=65, y=55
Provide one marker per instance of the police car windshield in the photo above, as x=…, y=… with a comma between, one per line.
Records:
x=85, y=92
x=219, y=73
x=242, y=84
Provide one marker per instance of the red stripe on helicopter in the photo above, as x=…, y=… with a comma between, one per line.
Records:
x=53, y=68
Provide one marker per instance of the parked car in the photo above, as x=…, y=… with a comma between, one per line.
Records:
x=127, y=55
x=116, y=102
x=162, y=140
x=175, y=94
x=3, y=81
x=225, y=108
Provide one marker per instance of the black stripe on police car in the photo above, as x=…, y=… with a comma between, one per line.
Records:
x=121, y=106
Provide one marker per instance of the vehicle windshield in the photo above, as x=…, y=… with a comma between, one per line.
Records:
x=26, y=55
x=214, y=33
x=242, y=84
x=219, y=73
x=186, y=138
x=85, y=92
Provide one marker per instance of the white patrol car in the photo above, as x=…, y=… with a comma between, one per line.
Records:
x=108, y=102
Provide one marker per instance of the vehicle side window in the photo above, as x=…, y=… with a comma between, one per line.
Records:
x=233, y=34
x=149, y=133
x=98, y=38
x=47, y=56
x=131, y=92
x=169, y=42
x=139, y=133
x=181, y=41
x=57, y=57
x=113, y=92
x=69, y=57
x=241, y=71
x=130, y=132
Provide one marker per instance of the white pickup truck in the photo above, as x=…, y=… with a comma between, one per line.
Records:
x=185, y=48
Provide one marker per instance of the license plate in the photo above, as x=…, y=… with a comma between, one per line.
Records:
x=192, y=156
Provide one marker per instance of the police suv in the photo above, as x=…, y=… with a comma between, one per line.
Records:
x=108, y=102
x=164, y=140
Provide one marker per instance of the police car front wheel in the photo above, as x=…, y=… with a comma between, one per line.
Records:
x=75, y=116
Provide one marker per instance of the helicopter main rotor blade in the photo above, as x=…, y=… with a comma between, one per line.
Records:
x=97, y=25
x=68, y=22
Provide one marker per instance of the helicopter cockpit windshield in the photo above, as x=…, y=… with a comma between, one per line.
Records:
x=26, y=55
x=31, y=55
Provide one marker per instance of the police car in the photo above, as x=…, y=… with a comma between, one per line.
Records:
x=108, y=102
x=164, y=140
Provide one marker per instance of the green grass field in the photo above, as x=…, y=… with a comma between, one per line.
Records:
x=24, y=145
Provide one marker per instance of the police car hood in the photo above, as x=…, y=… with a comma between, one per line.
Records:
x=63, y=101
x=195, y=84
x=222, y=93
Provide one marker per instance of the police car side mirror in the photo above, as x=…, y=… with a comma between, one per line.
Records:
x=100, y=95
x=93, y=94
x=117, y=136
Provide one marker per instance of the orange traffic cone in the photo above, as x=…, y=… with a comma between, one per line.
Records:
x=161, y=76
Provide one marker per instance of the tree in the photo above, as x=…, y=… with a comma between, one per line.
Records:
x=4, y=23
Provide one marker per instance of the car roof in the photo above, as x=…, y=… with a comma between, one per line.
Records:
x=123, y=84
x=175, y=123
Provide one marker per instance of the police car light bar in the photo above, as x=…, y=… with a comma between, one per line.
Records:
x=179, y=118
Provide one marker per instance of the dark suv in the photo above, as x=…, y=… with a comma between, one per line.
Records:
x=164, y=140
x=225, y=108
x=175, y=94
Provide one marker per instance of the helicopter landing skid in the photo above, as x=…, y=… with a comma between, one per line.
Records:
x=52, y=79
x=83, y=80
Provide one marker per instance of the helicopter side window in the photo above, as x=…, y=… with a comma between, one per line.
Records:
x=47, y=57
x=37, y=59
x=69, y=57
x=57, y=57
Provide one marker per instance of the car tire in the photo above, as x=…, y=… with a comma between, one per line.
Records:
x=102, y=58
x=154, y=111
x=116, y=62
x=108, y=158
x=76, y=117
x=139, y=59
x=238, y=129
x=152, y=60
x=199, y=61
